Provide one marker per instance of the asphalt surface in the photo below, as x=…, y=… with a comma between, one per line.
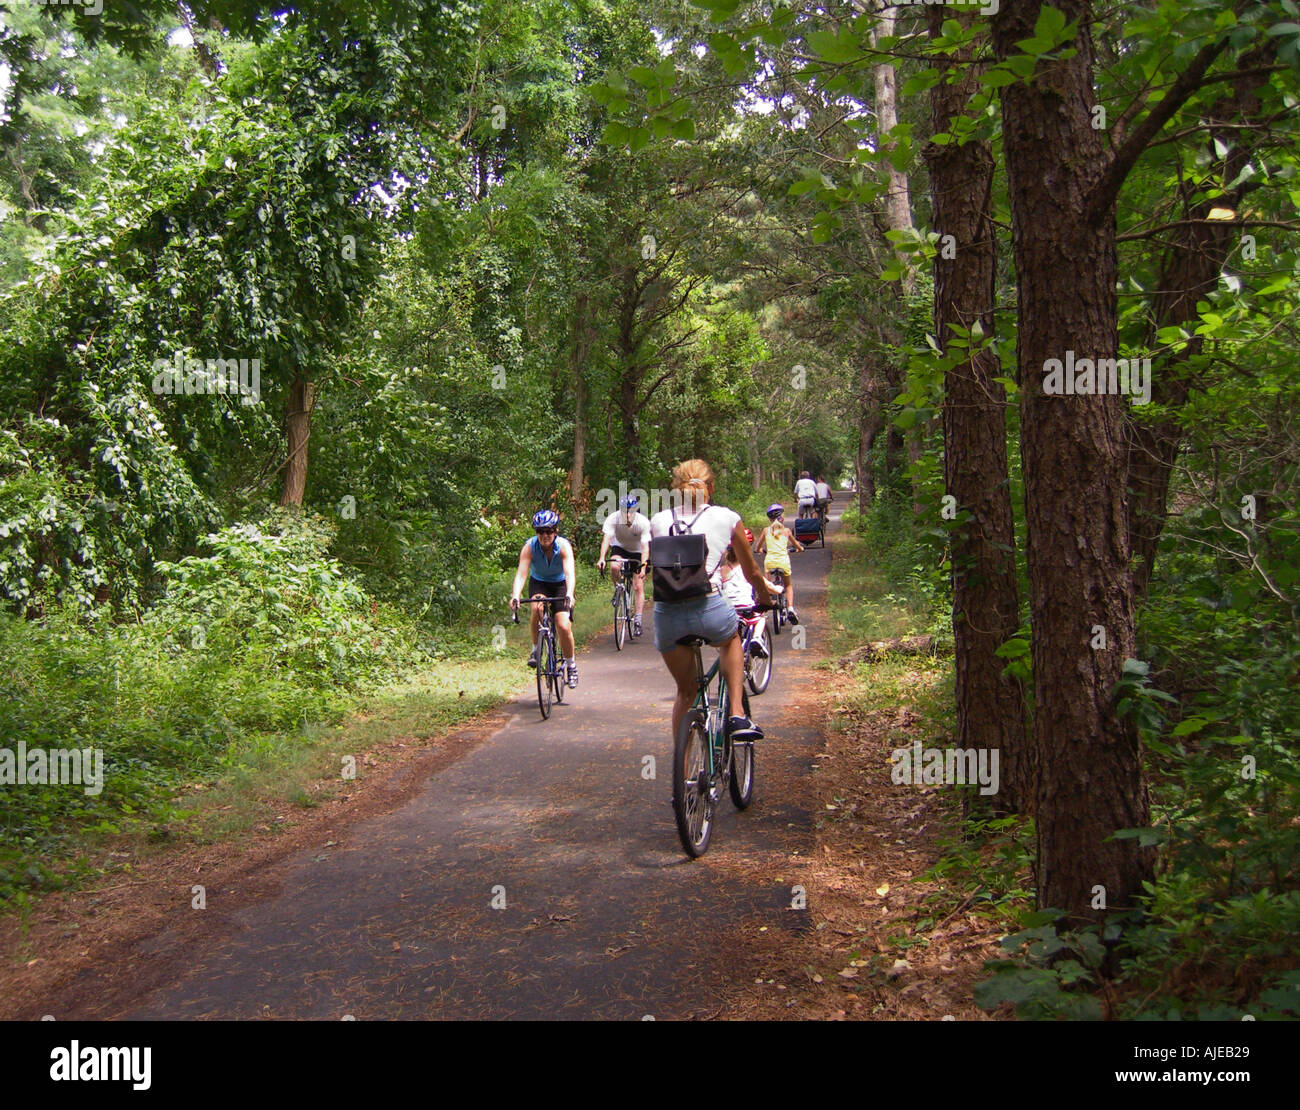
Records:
x=598, y=913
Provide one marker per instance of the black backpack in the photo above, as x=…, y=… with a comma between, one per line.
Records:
x=678, y=562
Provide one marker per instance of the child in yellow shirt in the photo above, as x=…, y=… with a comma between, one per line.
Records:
x=775, y=540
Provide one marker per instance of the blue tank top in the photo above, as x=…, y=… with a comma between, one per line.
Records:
x=548, y=570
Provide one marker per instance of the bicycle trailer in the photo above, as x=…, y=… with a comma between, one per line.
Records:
x=807, y=529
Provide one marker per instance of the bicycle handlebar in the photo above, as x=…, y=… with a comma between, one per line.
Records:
x=622, y=561
x=535, y=601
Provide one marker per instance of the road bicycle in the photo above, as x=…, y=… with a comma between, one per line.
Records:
x=706, y=761
x=624, y=622
x=550, y=665
x=757, y=646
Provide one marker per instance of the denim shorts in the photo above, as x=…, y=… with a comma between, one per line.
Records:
x=713, y=617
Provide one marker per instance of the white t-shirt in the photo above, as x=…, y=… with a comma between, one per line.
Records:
x=823, y=491
x=715, y=524
x=738, y=591
x=624, y=535
x=805, y=489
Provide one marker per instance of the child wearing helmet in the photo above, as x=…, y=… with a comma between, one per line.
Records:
x=735, y=586
x=775, y=541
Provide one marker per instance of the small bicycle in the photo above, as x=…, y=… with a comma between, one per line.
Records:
x=757, y=646
x=781, y=610
x=706, y=760
x=550, y=666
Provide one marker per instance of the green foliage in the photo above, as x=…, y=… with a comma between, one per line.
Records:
x=260, y=637
x=1055, y=979
x=271, y=582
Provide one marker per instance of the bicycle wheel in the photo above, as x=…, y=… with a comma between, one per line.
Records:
x=558, y=676
x=693, y=805
x=620, y=617
x=742, y=769
x=758, y=667
x=778, y=613
x=544, y=665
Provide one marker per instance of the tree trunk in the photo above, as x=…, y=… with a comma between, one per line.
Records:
x=898, y=217
x=895, y=454
x=302, y=399
x=897, y=202
x=985, y=601
x=1190, y=271
x=577, y=476
x=1075, y=466
x=871, y=419
x=628, y=383
x=582, y=339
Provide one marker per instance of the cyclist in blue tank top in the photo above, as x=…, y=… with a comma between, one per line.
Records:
x=546, y=561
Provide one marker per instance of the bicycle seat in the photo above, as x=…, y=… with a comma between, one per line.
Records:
x=691, y=641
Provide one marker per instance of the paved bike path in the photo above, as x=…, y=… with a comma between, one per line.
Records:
x=603, y=916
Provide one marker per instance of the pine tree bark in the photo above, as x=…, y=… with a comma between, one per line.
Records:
x=1075, y=463
x=985, y=600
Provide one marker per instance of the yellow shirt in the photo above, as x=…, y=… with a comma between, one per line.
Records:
x=778, y=547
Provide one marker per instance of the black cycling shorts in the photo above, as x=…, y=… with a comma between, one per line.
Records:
x=550, y=589
x=633, y=557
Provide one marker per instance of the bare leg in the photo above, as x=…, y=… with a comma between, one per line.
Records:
x=681, y=665
x=733, y=668
x=564, y=633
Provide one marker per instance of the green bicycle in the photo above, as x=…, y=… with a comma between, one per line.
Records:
x=706, y=760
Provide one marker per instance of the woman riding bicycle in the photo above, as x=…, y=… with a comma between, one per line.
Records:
x=546, y=561
x=775, y=540
x=712, y=616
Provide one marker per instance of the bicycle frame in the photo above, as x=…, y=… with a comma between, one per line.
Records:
x=716, y=728
x=627, y=568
